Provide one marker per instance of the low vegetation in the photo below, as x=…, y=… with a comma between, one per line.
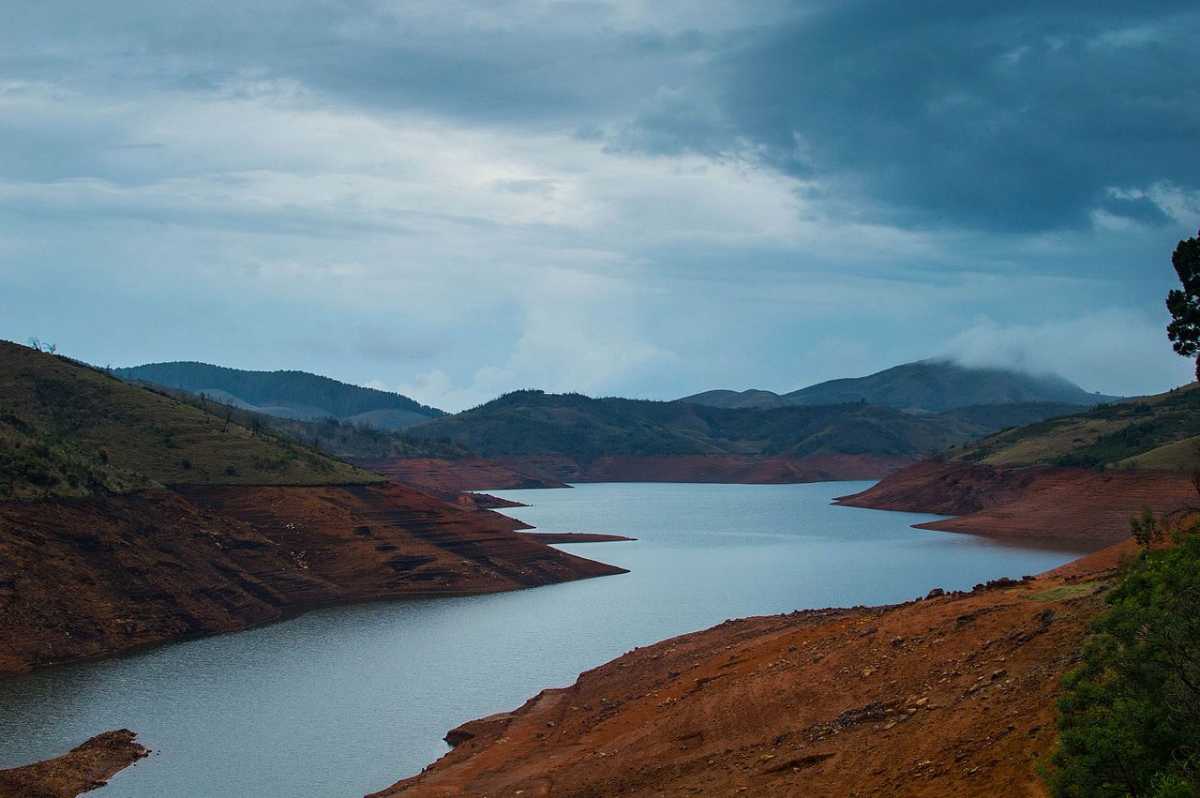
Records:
x=33, y=465
x=1130, y=715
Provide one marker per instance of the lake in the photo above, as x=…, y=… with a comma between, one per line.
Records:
x=345, y=701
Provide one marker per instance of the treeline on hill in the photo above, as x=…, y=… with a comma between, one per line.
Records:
x=68, y=429
x=1129, y=719
x=533, y=422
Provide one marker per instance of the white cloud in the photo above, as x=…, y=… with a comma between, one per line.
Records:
x=1114, y=351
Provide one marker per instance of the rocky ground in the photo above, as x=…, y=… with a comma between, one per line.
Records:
x=84, y=768
x=948, y=696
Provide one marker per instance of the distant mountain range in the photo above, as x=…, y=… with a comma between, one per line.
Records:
x=908, y=410
x=927, y=386
x=535, y=423
x=286, y=394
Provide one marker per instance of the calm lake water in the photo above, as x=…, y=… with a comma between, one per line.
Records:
x=345, y=701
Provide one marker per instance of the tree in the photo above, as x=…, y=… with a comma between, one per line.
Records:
x=1184, y=304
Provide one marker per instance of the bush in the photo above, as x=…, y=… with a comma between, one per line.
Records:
x=1129, y=720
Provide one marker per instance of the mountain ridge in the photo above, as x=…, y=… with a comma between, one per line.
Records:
x=285, y=393
x=928, y=386
x=533, y=422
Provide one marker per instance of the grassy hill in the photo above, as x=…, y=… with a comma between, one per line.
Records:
x=69, y=429
x=286, y=394
x=533, y=422
x=929, y=386
x=1153, y=432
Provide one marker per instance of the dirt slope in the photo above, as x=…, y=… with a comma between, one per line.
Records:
x=950, y=696
x=83, y=768
x=1042, y=502
x=93, y=577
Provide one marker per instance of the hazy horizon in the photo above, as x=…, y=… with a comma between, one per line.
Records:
x=453, y=200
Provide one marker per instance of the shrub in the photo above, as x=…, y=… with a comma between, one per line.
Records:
x=1129, y=720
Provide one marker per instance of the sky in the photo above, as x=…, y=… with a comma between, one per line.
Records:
x=645, y=198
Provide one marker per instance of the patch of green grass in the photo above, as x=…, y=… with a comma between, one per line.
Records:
x=1065, y=592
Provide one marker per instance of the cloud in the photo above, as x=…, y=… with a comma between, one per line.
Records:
x=649, y=198
x=1007, y=118
x=1109, y=351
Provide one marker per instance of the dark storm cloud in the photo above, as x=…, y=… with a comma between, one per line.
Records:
x=1000, y=116
x=1010, y=117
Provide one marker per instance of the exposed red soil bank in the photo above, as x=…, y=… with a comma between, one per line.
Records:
x=485, y=501
x=1072, y=504
x=93, y=577
x=575, y=537
x=447, y=478
x=85, y=768
x=950, y=696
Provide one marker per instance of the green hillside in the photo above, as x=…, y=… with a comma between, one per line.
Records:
x=1153, y=432
x=69, y=429
x=286, y=394
x=533, y=422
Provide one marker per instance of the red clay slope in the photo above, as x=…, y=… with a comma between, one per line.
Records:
x=1043, y=502
x=950, y=696
x=93, y=577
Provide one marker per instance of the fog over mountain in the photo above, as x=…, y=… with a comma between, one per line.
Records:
x=927, y=386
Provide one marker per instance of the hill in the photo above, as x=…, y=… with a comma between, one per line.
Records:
x=129, y=518
x=286, y=394
x=536, y=423
x=69, y=429
x=929, y=386
x=1078, y=477
x=1159, y=432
